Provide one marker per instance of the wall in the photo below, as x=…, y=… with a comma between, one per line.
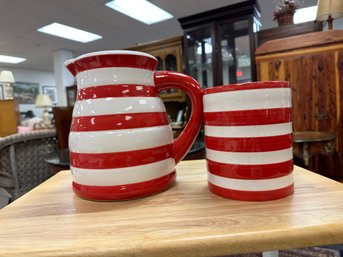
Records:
x=43, y=78
x=267, y=8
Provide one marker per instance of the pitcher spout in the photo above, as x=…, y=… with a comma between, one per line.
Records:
x=70, y=65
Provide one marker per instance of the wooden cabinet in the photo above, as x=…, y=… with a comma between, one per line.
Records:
x=313, y=64
x=288, y=31
x=169, y=55
x=9, y=117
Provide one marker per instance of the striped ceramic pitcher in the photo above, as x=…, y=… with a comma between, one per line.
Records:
x=121, y=144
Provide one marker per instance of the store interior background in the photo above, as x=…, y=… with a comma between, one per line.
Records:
x=21, y=19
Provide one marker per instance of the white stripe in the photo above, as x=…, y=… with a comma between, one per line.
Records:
x=123, y=176
x=250, y=158
x=251, y=185
x=117, y=105
x=120, y=140
x=249, y=131
x=112, y=76
x=248, y=100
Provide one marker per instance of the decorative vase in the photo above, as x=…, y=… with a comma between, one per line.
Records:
x=285, y=19
x=121, y=143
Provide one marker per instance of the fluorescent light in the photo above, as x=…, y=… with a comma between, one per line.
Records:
x=305, y=14
x=11, y=59
x=141, y=10
x=68, y=32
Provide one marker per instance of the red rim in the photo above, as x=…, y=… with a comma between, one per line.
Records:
x=247, y=86
x=113, y=60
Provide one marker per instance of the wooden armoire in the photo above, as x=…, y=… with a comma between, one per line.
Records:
x=9, y=117
x=313, y=64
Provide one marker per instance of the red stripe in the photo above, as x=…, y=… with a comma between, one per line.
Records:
x=125, y=192
x=118, y=121
x=115, y=60
x=248, y=117
x=252, y=195
x=116, y=91
x=247, y=86
x=261, y=171
x=254, y=144
x=120, y=159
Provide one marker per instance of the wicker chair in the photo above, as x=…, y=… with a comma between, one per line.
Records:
x=22, y=165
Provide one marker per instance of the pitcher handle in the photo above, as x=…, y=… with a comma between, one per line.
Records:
x=169, y=79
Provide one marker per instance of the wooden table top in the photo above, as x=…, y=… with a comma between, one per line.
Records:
x=186, y=220
x=312, y=136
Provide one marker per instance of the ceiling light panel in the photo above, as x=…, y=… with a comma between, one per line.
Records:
x=64, y=31
x=141, y=10
x=11, y=59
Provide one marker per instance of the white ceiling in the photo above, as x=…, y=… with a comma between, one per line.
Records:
x=19, y=20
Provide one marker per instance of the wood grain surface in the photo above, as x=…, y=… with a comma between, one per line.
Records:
x=186, y=220
x=303, y=41
x=313, y=64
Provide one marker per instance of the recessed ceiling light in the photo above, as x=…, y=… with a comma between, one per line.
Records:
x=305, y=14
x=68, y=32
x=11, y=59
x=141, y=10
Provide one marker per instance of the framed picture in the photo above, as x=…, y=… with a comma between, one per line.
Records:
x=71, y=95
x=1, y=92
x=50, y=91
x=25, y=92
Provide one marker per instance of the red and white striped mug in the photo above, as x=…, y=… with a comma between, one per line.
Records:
x=121, y=144
x=248, y=138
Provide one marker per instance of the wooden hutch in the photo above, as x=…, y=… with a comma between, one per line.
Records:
x=313, y=64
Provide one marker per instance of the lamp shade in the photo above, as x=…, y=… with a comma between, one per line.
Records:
x=6, y=76
x=43, y=101
x=329, y=7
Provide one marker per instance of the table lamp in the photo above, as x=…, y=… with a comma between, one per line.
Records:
x=328, y=10
x=6, y=77
x=44, y=101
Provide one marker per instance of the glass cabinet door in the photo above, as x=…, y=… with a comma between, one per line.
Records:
x=235, y=52
x=219, y=44
x=199, y=53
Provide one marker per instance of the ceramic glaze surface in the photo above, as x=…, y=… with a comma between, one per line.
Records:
x=248, y=137
x=121, y=144
x=115, y=76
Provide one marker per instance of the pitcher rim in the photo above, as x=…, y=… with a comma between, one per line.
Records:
x=111, y=52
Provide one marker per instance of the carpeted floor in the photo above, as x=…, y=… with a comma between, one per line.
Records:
x=303, y=252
